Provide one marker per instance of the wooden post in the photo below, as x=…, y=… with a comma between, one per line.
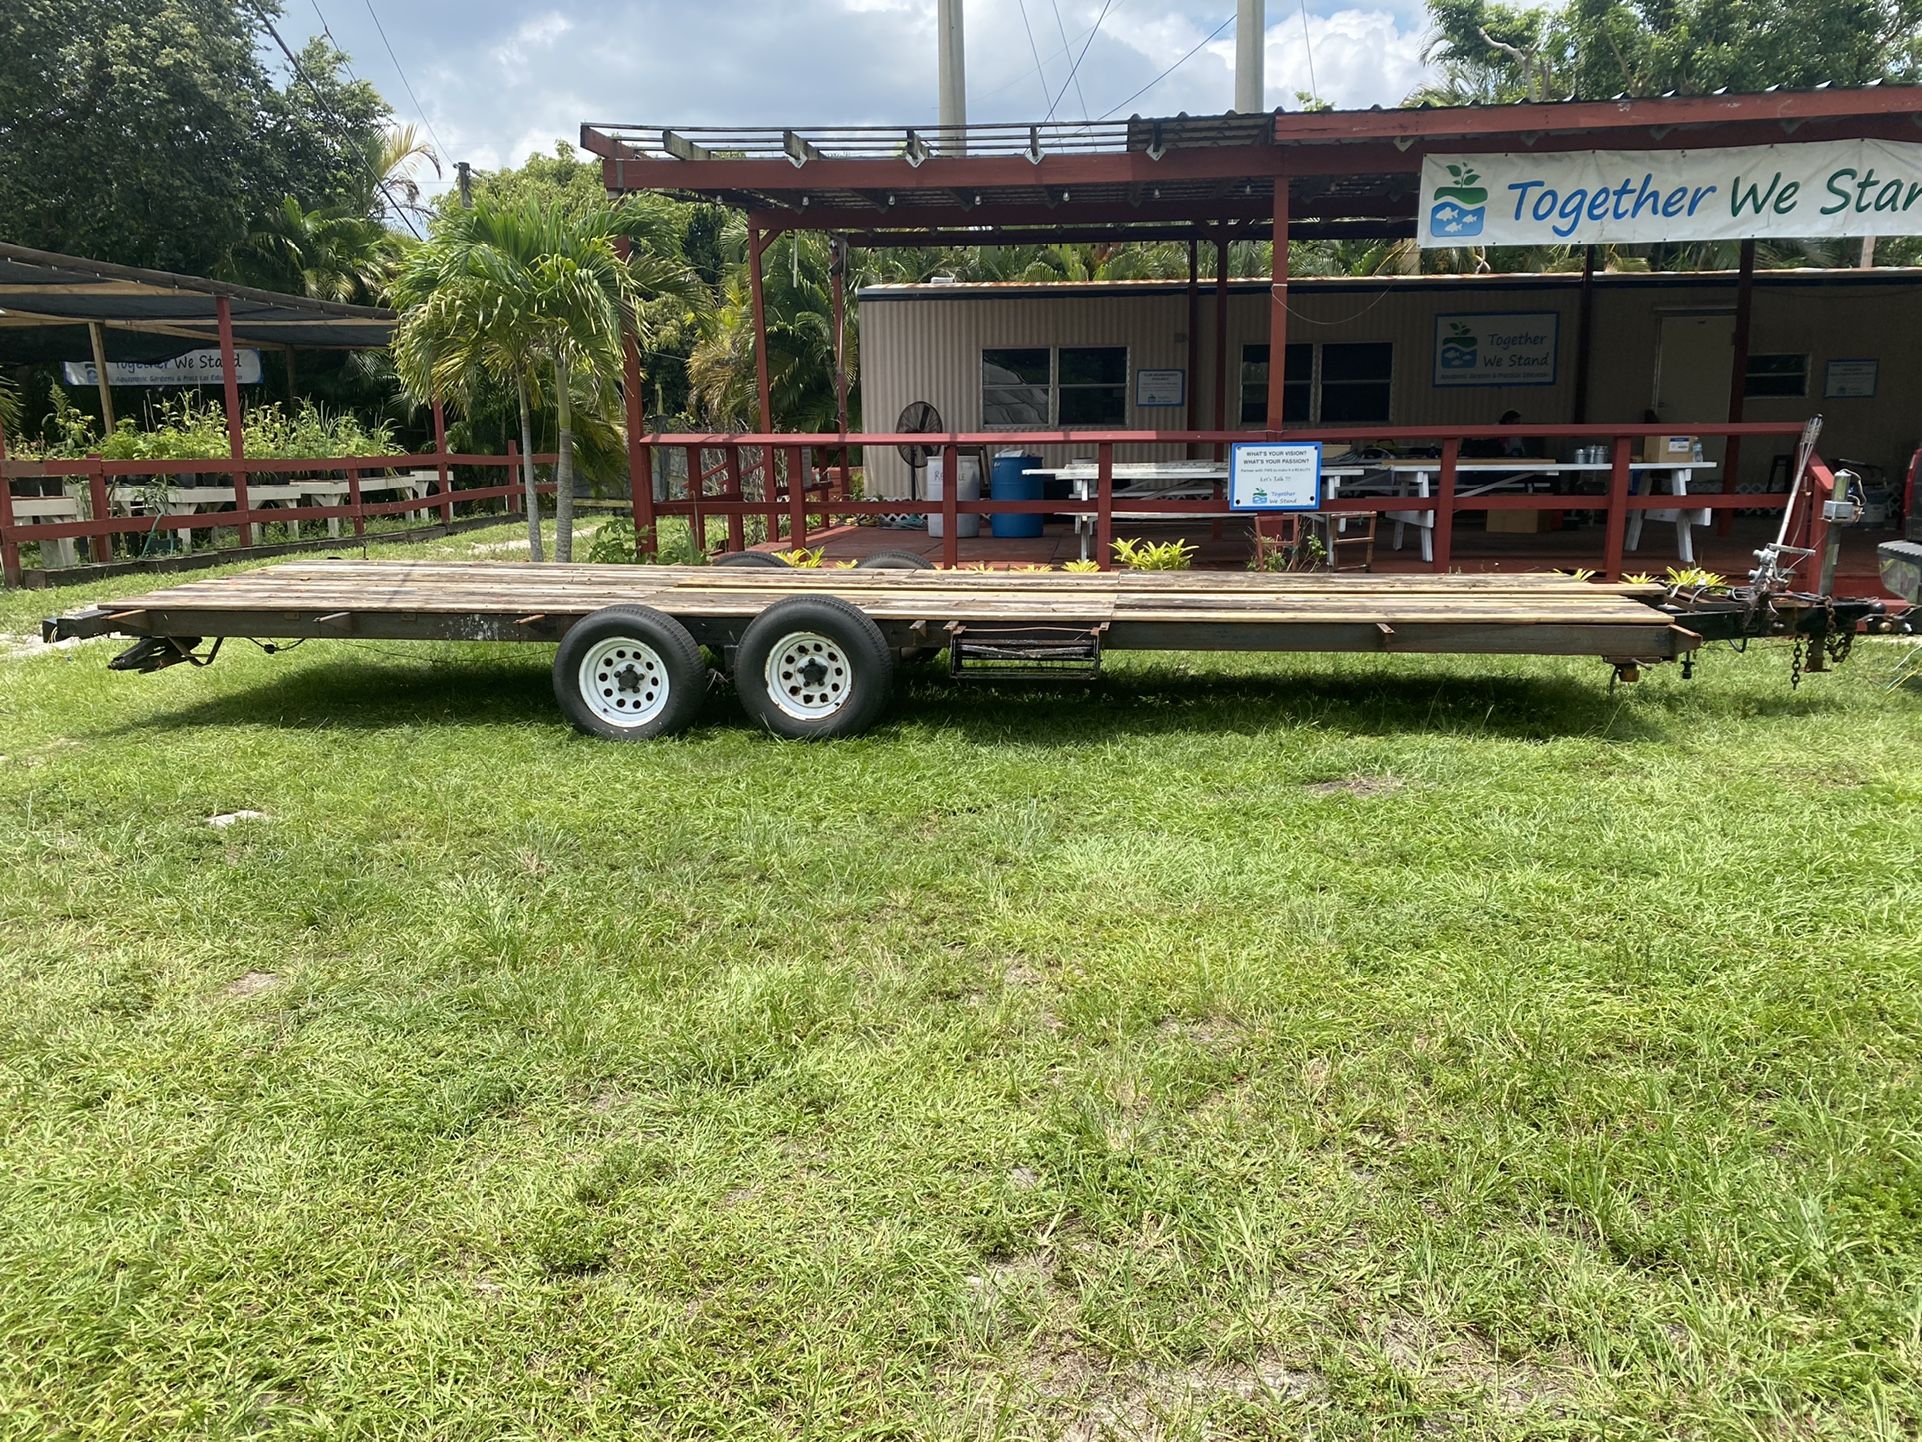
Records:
x=513, y=477
x=353, y=500
x=755, y=246
x=1104, y=503
x=1221, y=342
x=1442, y=538
x=1278, y=309
x=101, y=545
x=1584, y=319
x=1616, y=525
x=797, y=498
x=696, y=494
x=950, y=496
x=736, y=522
x=769, y=494
x=9, y=547
x=1193, y=379
x=440, y=457
x=99, y=338
x=640, y=458
x=1737, y=381
x=236, y=433
x=837, y=293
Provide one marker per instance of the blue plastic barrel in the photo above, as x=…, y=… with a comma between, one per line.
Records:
x=1013, y=479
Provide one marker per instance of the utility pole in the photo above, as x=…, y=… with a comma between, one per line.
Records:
x=954, y=77
x=465, y=174
x=1251, y=33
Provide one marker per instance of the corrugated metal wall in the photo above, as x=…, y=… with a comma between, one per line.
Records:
x=918, y=343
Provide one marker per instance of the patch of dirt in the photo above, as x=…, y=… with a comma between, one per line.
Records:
x=1357, y=786
x=1025, y=1179
x=24, y=643
x=604, y=1103
x=1461, y=1361
x=252, y=984
x=1143, y=1402
x=224, y=819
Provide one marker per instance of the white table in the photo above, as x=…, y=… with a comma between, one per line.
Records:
x=44, y=509
x=189, y=500
x=411, y=484
x=1415, y=478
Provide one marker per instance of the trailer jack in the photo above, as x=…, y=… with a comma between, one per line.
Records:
x=157, y=653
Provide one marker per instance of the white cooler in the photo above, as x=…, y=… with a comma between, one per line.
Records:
x=965, y=527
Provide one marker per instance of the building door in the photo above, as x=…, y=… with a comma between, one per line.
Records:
x=1692, y=373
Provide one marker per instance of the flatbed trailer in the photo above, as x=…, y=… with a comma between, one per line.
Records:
x=813, y=651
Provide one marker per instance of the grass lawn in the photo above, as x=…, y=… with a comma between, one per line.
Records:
x=1247, y=1048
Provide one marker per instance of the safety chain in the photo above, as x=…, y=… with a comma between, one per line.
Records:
x=1837, y=640
x=1795, y=664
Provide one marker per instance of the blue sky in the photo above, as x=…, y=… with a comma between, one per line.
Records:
x=497, y=80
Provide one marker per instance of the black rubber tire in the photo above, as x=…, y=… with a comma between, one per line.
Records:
x=857, y=644
x=894, y=561
x=750, y=558
x=682, y=669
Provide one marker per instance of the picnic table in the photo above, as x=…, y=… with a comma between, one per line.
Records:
x=194, y=500
x=28, y=510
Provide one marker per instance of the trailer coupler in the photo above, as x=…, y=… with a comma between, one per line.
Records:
x=157, y=653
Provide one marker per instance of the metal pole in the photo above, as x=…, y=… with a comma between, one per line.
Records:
x=1221, y=341
x=755, y=245
x=99, y=339
x=952, y=60
x=1278, y=309
x=1250, y=35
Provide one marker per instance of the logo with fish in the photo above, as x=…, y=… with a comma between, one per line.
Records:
x=1460, y=208
x=1460, y=348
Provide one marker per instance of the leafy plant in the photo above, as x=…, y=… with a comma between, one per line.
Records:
x=1082, y=567
x=1174, y=555
x=187, y=428
x=1304, y=552
x=1694, y=578
x=1639, y=578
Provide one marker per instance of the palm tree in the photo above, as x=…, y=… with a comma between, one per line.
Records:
x=521, y=293
x=329, y=254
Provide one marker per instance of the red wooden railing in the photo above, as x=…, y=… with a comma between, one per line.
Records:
x=98, y=476
x=793, y=511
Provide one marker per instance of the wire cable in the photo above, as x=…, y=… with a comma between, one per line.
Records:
x=1034, y=50
x=1314, y=90
x=1171, y=69
x=1062, y=31
x=380, y=181
x=381, y=31
x=1075, y=69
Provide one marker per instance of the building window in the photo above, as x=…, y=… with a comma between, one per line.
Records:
x=1356, y=380
x=1072, y=386
x=1014, y=387
x=1092, y=385
x=1346, y=383
x=1777, y=375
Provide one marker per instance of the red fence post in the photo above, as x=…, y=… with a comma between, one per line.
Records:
x=950, y=501
x=1104, y=502
x=513, y=478
x=353, y=500
x=101, y=545
x=640, y=496
x=797, y=498
x=736, y=522
x=440, y=457
x=1443, y=516
x=1821, y=489
x=1616, y=525
x=9, y=547
x=696, y=492
x=236, y=431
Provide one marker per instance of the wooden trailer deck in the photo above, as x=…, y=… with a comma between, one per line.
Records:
x=1541, y=614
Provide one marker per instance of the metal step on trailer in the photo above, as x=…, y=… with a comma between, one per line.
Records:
x=1025, y=653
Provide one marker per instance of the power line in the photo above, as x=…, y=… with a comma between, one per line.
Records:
x=380, y=181
x=1034, y=50
x=419, y=109
x=1308, y=44
x=1076, y=68
x=1171, y=69
x=1062, y=31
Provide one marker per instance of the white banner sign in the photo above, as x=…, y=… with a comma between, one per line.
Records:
x=1271, y=476
x=1505, y=349
x=1823, y=188
x=195, y=368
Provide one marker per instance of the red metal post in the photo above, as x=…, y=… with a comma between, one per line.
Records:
x=770, y=494
x=101, y=545
x=1221, y=342
x=1616, y=524
x=755, y=246
x=640, y=460
x=797, y=498
x=1278, y=309
x=9, y=548
x=950, y=496
x=236, y=433
x=1193, y=379
x=513, y=471
x=736, y=522
x=1737, y=380
x=696, y=494
x=1104, y=501
x=440, y=457
x=1443, y=516
x=837, y=294
x=1821, y=490
x=353, y=500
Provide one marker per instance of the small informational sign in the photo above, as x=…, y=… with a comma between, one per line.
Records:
x=1850, y=379
x=1161, y=388
x=195, y=368
x=1501, y=349
x=1274, y=475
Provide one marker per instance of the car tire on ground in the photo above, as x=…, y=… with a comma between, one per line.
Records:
x=750, y=558
x=630, y=673
x=814, y=668
x=894, y=561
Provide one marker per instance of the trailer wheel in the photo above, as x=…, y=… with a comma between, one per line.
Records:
x=629, y=673
x=894, y=561
x=813, y=668
x=750, y=558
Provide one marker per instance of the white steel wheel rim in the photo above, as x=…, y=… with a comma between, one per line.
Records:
x=624, y=682
x=808, y=676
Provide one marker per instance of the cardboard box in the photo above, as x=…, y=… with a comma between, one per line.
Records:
x=1674, y=449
